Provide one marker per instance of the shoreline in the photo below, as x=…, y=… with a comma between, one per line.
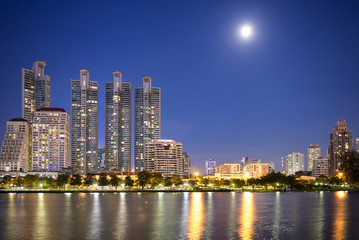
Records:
x=3, y=191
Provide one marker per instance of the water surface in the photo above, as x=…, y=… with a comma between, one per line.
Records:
x=199, y=215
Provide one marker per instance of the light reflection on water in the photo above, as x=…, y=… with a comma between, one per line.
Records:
x=317, y=215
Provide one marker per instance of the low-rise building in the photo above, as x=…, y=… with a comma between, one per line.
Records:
x=257, y=169
x=16, y=149
x=320, y=167
x=228, y=171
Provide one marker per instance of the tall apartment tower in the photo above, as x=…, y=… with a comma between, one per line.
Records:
x=118, y=124
x=295, y=163
x=340, y=143
x=147, y=119
x=50, y=139
x=15, y=152
x=84, y=123
x=313, y=153
x=356, y=145
x=35, y=90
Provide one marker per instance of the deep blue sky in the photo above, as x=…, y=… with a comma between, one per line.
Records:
x=222, y=97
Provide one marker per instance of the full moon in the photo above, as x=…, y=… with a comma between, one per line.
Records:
x=246, y=31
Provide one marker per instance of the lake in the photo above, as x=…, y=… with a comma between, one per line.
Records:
x=197, y=215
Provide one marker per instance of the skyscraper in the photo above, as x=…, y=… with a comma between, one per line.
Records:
x=84, y=123
x=118, y=124
x=340, y=143
x=186, y=165
x=147, y=119
x=356, y=145
x=35, y=90
x=15, y=151
x=313, y=153
x=320, y=167
x=50, y=139
x=295, y=163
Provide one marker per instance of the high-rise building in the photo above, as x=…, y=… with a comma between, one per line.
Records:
x=257, y=169
x=295, y=163
x=210, y=164
x=320, y=167
x=118, y=124
x=101, y=154
x=313, y=153
x=35, y=89
x=164, y=156
x=340, y=143
x=147, y=119
x=50, y=139
x=186, y=165
x=15, y=151
x=84, y=123
x=356, y=145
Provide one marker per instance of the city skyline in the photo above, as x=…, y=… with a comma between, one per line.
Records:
x=252, y=109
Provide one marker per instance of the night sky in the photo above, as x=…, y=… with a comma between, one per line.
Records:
x=222, y=97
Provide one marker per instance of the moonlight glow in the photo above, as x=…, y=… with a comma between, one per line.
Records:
x=246, y=31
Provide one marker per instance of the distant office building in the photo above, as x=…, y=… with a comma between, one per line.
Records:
x=295, y=163
x=147, y=119
x=356, y=145
x=320, y=167
x=186, y=165
x=313, y=153
x=164, y=156
x=210, y=164
x=257, y=169
x=340, y=143
x=84, y=123
x=244, y=161
x=50, y=139
x=118, y=124
x=15, y=151
x=35, y=90
x=101, y=154
x=227, y=170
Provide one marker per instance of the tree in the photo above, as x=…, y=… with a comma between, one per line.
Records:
x=89, y=179
x=31, y=180
x=156, y=179
x=76, y=180
x=252, y=182
x=115, y=181
x=62, y=180
x=273, y=178
x=192, y=183
x=290, y=181
x=19, y=182
x=103, y=181
x=225, y=182
x=6, y=180
x=204, y=181
x=129, y=182
x=177, y=180
x=350, y=167
x=237, y=183
x=167, y=182
x=144, y=178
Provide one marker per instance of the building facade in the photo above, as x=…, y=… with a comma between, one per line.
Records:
x=320, y=167
x=118, y=124
x=101, y=155
x=228, y=171
x=257, y=169
x=340, y=143
x=210, y=164
x=35, y=90
x=50, y=139
x=186, y=165
x=15, y=152
x=147, y=119
x=84, y=123
x=356, y=145
x=295, y=163
x=165, y=157
x=313, y=153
